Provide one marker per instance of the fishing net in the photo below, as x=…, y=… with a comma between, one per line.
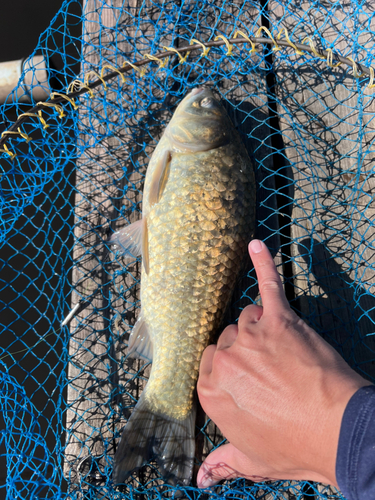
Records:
x=72, y=172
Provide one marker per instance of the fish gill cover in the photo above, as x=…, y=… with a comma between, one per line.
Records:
x=72, y=173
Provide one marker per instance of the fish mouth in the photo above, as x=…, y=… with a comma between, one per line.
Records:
x=197, y=90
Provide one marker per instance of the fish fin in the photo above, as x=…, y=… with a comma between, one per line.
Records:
x=129, y=239
x=159, y=179
x=145, y=255
x=140, y=343
x=133, y=239
x=150, y=435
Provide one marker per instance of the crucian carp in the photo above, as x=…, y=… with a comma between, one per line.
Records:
x=198, y=216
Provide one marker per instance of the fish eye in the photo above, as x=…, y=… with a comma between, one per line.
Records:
x=206, y=102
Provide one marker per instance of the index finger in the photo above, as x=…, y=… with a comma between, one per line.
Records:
x=269, y=282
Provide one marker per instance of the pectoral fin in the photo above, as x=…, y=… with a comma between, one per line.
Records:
x=133, y=239
x=160, y=177
x=140, y=343
x=129, y=239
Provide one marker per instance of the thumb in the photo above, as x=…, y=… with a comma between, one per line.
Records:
x=226, y=462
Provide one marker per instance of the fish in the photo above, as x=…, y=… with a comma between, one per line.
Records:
x=198, y=215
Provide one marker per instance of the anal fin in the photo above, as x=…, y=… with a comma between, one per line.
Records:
x=140, y=343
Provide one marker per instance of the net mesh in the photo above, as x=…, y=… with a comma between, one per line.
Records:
x=74, y=173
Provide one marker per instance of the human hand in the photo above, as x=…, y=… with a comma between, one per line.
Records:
x=276, y=390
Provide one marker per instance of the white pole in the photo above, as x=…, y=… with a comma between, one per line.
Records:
x=35, y=82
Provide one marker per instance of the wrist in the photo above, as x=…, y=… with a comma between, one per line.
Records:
x=355, y=454
x=337, y=401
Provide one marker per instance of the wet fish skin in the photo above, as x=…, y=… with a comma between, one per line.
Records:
x=198, y=216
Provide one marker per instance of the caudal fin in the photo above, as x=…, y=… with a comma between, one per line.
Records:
x=148, y=436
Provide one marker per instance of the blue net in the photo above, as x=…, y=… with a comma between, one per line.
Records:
x=72, y=172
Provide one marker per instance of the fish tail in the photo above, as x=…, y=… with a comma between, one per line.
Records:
x=149, y=435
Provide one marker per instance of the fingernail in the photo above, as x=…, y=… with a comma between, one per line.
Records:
x=256, y=246
x=206, y=482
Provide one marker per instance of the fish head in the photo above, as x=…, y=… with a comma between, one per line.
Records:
x=200, y=123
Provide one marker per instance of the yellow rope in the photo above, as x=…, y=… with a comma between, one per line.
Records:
x=239, y=32
x=92, y=72
x=39, y=116
x=42, y=120
x=229, y=46
x=24, y=136
x=355, y=71
x=113, y=69
x=330, y=59
x=206, y=50
x=64, y=96
x=6, y=150
x=263, y=28
x=299, y=52
x=8, y=132
x=58, y=108
x=28, y=114
x=19, y=132
x=312, y=46
x=182, y=59
x=141, y=71
x=77, y=84
x=162, y=64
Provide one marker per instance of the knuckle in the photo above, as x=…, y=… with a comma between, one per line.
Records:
x=248, y=335
x=204, y=389
x=270, y=284
x=207, y=353
x=250, y=313
x=222, y=364
x=221, y=357
x=207, y=394
x=252, y=308
x=201, y=385
x=283, y=321
x=229, y=331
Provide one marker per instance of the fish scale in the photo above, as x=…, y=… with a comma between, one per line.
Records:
x=198, y=217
